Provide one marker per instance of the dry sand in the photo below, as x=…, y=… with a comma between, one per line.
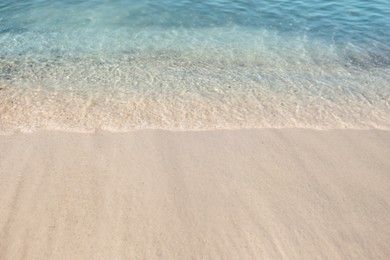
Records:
x=243, y=194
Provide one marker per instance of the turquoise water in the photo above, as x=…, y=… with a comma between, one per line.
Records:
x=123, y=65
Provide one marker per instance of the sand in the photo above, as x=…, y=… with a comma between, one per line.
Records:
x=238, y=194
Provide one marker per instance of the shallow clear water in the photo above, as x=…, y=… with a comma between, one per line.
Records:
x=121, y=65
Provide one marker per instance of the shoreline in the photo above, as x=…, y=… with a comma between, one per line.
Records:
x=259, y=193
x=182, y=130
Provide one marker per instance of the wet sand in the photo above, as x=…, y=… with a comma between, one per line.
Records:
x=239, y=194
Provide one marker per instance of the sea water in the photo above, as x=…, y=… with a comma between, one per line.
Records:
x=124, y=64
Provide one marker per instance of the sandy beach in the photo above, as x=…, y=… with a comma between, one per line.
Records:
x=152, y=194
x=194, y=129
